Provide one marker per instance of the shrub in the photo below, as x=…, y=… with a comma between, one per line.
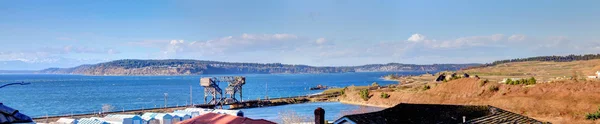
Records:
x=375, y=84
x=592, y=116
x=529, y=81
x=343, y=92
x=494, y=88
x=364, y=94
x=483, y=82
x=532, y=81
x=385, y=95
x=509, y=81
x=426, y=87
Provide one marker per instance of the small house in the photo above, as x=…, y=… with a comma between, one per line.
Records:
x=65, y=121
x=229, y=112
x=124, y=119
x=191, y=113
x=182, y=116
x=175, y=119
x=161, y=117
x=149, y=120
x=91, y=121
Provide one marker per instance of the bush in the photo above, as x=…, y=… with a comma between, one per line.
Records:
x=509, y=81
x=426, y=87
x=483, y=82
x=592, y=116
x=385, y=95
x=494, y=88
x=375, y=84
x=529, y=81
x=364, y=94
x=532, y=81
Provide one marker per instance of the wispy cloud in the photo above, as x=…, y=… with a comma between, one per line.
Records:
x=52, y=54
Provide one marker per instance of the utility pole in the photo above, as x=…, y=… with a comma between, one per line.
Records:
x=267, y=90
x=191, y=100
x=166, y=94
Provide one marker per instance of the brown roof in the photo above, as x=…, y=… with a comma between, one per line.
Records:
x=439, y=113
x=213, y=118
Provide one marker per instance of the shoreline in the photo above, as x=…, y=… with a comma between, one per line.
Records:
x=255, y=103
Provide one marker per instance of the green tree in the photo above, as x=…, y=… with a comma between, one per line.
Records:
x=509, y=81
x=364, y=94
x=385, y=95
x=532, y=80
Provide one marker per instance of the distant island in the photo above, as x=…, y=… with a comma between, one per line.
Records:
x=195, y=67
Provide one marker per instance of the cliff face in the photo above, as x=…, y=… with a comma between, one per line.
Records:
x=194, y=67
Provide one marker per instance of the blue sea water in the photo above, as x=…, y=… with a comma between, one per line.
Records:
x=66, y=94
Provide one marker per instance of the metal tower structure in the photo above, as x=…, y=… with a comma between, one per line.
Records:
x=212, y=89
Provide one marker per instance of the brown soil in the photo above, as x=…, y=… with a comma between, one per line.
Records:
x=558, y=102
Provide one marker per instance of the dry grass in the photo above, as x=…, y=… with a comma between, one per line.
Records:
x=333, y=90
x=551, y=99
x=543, y=71
x=558, y=102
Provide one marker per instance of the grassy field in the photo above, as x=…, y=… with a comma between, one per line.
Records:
x=543, y=71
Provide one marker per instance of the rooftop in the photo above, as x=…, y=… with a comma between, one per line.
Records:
x=438, y=113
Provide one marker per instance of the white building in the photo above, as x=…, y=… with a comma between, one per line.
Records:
x=161, y=117
x=124, y=119
x=65, y=121
x=91, y=121
x=598, y=74
x=191, y=113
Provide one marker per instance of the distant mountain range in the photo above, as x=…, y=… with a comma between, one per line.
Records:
x=195, y=67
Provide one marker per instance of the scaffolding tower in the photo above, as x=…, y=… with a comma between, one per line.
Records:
x=212, y=89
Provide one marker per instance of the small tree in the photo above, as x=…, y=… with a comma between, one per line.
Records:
x=385, y=95
x=426, y=87
x=532, y=81
x=494, y=88
x=509, y=81
x=364, y=94
x=374, y=84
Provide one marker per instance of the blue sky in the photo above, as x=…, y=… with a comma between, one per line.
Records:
x=40, y=34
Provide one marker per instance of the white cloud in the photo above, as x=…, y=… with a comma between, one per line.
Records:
x=321, y=41
x=416, y=38
x=517, y=37
x=236, y=44
x=461, y=42
x=289, y=48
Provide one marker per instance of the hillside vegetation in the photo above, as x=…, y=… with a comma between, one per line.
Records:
x=558, y=92
x=193, y=67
